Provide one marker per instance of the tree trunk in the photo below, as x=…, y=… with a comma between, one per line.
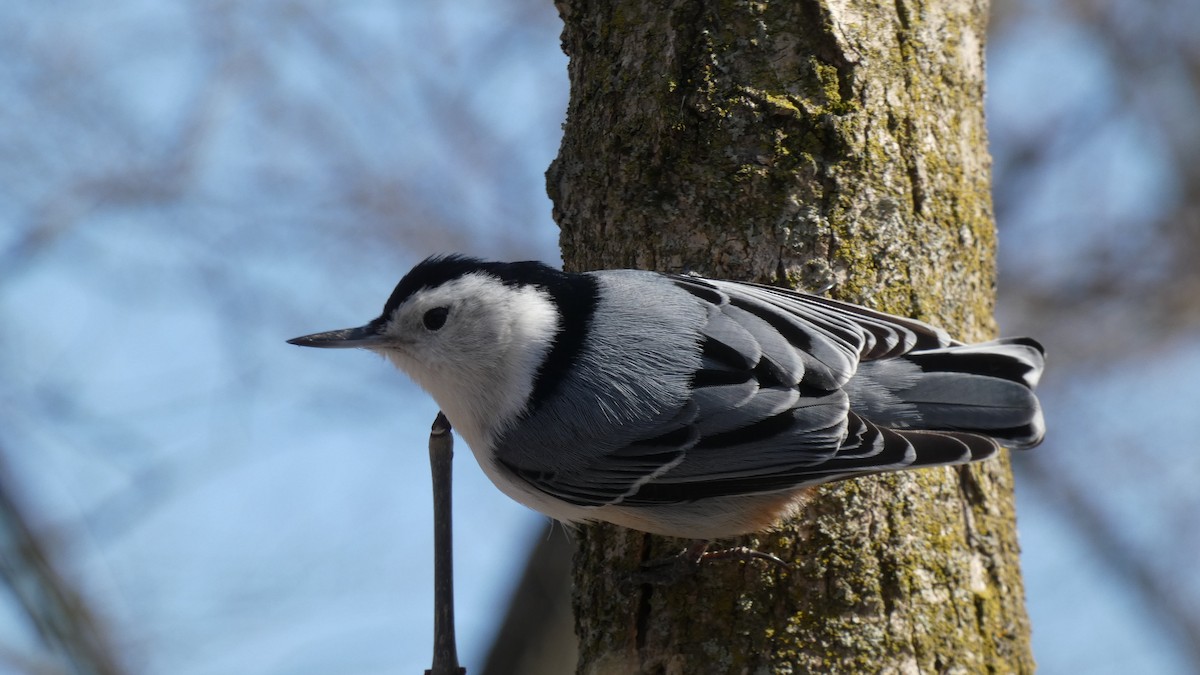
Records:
x=806, y=143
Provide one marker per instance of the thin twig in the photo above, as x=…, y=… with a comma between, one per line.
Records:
x=445, y=651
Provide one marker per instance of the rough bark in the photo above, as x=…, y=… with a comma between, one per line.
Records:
x=807, y=143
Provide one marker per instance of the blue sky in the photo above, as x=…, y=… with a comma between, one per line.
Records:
x=204, y=182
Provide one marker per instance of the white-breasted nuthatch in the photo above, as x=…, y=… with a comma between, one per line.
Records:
x=686, y=406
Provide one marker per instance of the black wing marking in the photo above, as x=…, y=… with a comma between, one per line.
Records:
x=622, y=471
x=767, y=411
x=832, y=336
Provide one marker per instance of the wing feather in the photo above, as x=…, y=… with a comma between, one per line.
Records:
x=767, y=411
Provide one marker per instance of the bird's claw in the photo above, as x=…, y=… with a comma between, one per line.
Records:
x=687, y=562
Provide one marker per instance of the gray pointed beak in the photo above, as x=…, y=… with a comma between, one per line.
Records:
x=363, y=336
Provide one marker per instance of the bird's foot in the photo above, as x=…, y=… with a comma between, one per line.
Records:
x=745, y=554
x=676, y=568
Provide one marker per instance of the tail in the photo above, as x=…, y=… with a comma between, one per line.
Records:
x=983, y=389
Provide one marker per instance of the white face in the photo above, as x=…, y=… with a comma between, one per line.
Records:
x=475, y=344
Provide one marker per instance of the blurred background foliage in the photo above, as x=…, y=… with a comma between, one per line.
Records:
x=185, y=185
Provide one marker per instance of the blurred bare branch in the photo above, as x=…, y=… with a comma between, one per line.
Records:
x=178, y=182
x=536, y=636
x=1135, y=282
x=1177, y=613
x=1098, y=199
x=65, y=624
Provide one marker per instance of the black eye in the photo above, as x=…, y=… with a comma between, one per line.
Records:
x=436, y=317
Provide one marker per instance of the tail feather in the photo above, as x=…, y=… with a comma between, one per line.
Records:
x=1015, y=359
x=984, y=389
x=935, y=448
x=906, y=449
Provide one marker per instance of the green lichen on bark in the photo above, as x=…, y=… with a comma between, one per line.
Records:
x=805, y=143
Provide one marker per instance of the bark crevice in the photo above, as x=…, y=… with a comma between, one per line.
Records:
x=810, y=144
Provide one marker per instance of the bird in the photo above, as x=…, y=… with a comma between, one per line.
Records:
x=686, y=406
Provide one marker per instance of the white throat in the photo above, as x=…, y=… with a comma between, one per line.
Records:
x=489, y=386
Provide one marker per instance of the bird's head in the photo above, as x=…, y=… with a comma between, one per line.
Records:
x=468, y=332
